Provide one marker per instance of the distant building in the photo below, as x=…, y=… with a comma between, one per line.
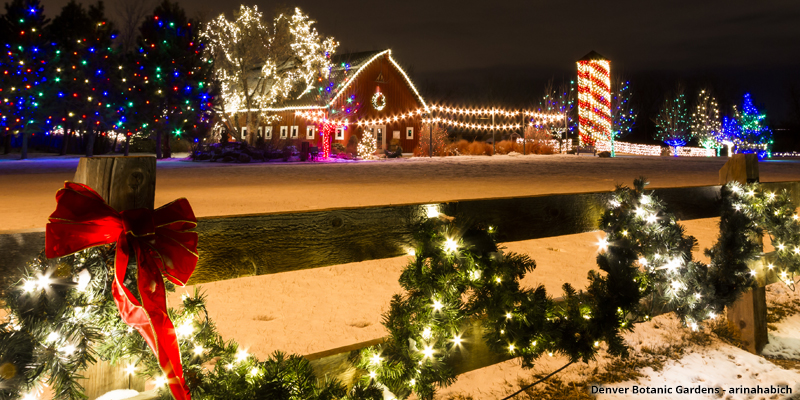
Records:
x=369, y=91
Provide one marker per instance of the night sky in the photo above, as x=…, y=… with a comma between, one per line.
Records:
x=504, y=51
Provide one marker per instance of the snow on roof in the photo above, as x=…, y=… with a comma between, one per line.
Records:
x=342, y=68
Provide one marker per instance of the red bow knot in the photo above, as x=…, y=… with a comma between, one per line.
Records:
x=163, y=246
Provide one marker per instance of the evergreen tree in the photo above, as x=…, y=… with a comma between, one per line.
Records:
x=753, y=135
x=672, y=125
x=69, y=30
x=172, y=76
x=26, y=88
x=623, y=116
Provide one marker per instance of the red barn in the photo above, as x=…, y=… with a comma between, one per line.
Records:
x=368, y=90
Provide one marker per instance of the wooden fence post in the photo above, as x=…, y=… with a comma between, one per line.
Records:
x=748, y=315
x=125, y=183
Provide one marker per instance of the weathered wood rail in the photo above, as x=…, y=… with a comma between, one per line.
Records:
x=257, y=244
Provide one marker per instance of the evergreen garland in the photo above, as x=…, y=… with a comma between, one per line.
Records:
x=62, y=318
x=459, y=275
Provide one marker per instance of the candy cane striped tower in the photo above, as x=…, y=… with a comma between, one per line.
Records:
x=594, y=99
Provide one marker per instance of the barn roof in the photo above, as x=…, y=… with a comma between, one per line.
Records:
x=343, y=66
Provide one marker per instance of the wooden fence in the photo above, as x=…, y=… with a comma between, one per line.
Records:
x=245, y=245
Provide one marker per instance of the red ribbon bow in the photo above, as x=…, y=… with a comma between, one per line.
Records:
x=162, y=244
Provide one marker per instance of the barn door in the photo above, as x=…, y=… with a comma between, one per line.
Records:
x=380, y=136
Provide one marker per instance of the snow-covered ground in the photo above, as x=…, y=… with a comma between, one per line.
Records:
x=664, y=355
x=27, y=188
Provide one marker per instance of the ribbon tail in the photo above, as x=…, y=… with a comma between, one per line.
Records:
x=150, y=318
x=154, y=300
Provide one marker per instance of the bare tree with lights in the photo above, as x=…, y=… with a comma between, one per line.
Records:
x=706, y=123
x=260, y=64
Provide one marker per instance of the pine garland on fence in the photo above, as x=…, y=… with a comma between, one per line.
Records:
x=459, y=275
x=62, y=318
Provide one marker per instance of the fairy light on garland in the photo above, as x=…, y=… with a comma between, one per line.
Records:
x=594, y=98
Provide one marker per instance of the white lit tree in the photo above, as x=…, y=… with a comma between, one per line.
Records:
x=259, y=64
x=367, y=146
x=706, y=123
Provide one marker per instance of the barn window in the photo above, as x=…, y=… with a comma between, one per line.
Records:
x=340, y=133
x=268, y=132
x=260, y=131
x=295, y=129
x=284, y=130
x=410, y=132
x=244, y=132
x=310, y=131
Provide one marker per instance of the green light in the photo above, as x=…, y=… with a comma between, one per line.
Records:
x=130, y=104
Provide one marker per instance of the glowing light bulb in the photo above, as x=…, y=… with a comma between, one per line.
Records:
x=161, y=381
x=428, y=351
x=426, y=333
x=241, y=355
x=29, y=286
x=602, y=244
x=450, y=245
x=68, y=350
x=185, y=329
x=437, y=305
x=43, y=282
x=198, y=350
x=432, y=210
x=457, y=340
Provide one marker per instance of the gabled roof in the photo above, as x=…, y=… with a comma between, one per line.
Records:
x=348, y=65
x=592, y=56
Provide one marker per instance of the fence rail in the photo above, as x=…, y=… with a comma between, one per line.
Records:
x=234, y=246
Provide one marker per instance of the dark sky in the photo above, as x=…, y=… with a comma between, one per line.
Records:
x=744, y=45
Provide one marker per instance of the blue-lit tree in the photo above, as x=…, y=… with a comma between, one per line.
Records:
x=672, y=124
x=172, y=77
x=623, y=115
x=753, y=134
x=25, y=85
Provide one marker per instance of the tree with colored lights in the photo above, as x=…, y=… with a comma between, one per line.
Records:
x=672, y=124
x=753, y=135
x=559, y=100
x=623, y=115
x=85, y=64
x=172, y=76
x=706, y=125
x=259, y=64
x=26, y=87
